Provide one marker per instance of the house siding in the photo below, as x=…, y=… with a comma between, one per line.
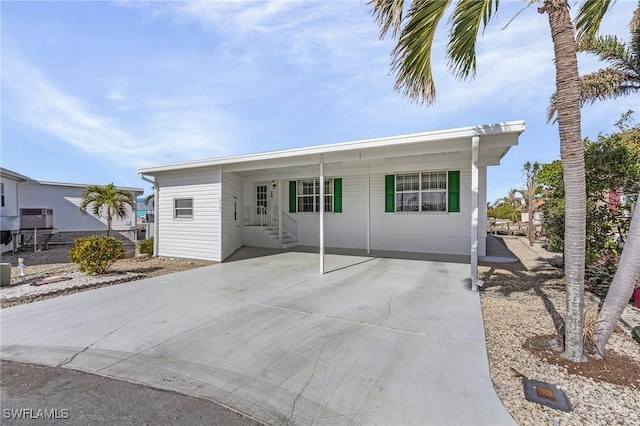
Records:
x=232, y=213
x=65, y=203
x=10, y=208
x=447, y=233
x=197, y=238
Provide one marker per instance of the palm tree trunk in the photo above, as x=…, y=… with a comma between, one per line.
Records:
x=108, y=221
x=572, y=155
x=622, y=285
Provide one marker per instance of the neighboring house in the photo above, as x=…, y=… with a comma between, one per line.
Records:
x=9, y=206
x=63, y=199
x=414, y=193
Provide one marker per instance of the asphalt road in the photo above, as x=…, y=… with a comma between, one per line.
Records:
x=34, y=394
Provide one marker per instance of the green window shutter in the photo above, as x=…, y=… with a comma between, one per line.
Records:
x=453, y=189
x=337, y=195
x=389, y=193
x=292, y=196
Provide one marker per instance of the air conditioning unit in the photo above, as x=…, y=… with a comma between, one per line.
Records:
x=36, y=218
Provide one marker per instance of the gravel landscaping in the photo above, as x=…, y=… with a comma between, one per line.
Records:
x=49, y=264
x=523, y=305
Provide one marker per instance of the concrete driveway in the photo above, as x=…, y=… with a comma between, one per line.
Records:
x=376, y=341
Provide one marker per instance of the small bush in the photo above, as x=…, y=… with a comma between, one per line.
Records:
x=600, y=273
x=94, y=255
x=146, y=246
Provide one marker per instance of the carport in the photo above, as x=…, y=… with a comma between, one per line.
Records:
x=373, y=341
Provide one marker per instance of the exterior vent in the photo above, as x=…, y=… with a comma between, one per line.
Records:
x=36, y=218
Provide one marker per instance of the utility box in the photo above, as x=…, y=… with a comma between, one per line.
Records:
x=5, y=274
x=36, y=218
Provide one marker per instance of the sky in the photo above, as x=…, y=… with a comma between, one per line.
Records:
x=93, y=90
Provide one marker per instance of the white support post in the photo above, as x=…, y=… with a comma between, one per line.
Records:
x=321, y=214
x=280, y=211
x=475, y=147
x=368, y=211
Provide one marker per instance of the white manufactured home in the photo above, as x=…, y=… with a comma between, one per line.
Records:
x=414, y=193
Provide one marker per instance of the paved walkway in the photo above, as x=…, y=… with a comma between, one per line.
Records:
x=376, y=341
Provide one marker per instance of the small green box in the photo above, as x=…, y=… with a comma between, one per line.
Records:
x=5, y=274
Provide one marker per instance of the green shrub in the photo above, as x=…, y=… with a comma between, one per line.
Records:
x=146, y=246
x=94, y=255
x=600, y=272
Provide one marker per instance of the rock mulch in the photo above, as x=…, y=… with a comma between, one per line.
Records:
x=74, y=281
x=523, y=308
x=54, y=263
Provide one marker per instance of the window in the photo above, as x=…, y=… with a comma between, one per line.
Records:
x=308, y=195
x=421, y=192
x=183, y=208
x=304, y=195
x=2, y=194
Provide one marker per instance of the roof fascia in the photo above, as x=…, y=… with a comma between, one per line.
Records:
x=516, y=127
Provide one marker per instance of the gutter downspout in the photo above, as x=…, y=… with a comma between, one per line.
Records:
x=156, y=220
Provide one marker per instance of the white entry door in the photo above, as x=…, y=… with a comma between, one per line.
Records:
x=262, y=198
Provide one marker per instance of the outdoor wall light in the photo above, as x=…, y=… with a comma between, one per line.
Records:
x=273, y=184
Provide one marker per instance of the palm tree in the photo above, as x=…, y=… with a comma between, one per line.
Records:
x=108, y=199
x=514, y=200
x=620, y=78
x=414, y=78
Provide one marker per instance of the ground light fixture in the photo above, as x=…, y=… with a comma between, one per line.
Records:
x=545, y=394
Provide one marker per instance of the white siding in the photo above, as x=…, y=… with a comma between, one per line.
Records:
x=447, y=233
x=10, y=207
x=232, y=213
x=197, y=238
x=65, y=202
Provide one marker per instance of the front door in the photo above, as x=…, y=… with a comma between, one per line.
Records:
x=262, y=198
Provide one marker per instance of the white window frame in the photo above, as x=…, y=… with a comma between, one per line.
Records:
x=436, y=183
x=315, y=194
x=182, y=213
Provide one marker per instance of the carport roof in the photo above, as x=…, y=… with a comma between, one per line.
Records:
x=495, y=141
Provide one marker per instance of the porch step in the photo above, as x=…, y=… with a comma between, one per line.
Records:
x=288, y=240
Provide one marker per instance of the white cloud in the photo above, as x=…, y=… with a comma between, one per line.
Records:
x=169, y=131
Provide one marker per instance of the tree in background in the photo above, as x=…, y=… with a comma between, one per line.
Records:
x=107, y=200
x=627, y=150
x=553, y=211
x=531, y=196
x=503, y=209
x=613, y=165
x=414, y=77
x=620, y=78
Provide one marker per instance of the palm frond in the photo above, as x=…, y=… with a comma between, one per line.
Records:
x=388, y=15
x=634, y=25
x=589, y=18
x=466, y=20
x=607, y=48
x=551, y=109
x=603, y=84
x=412, y=55
x=600, y=85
